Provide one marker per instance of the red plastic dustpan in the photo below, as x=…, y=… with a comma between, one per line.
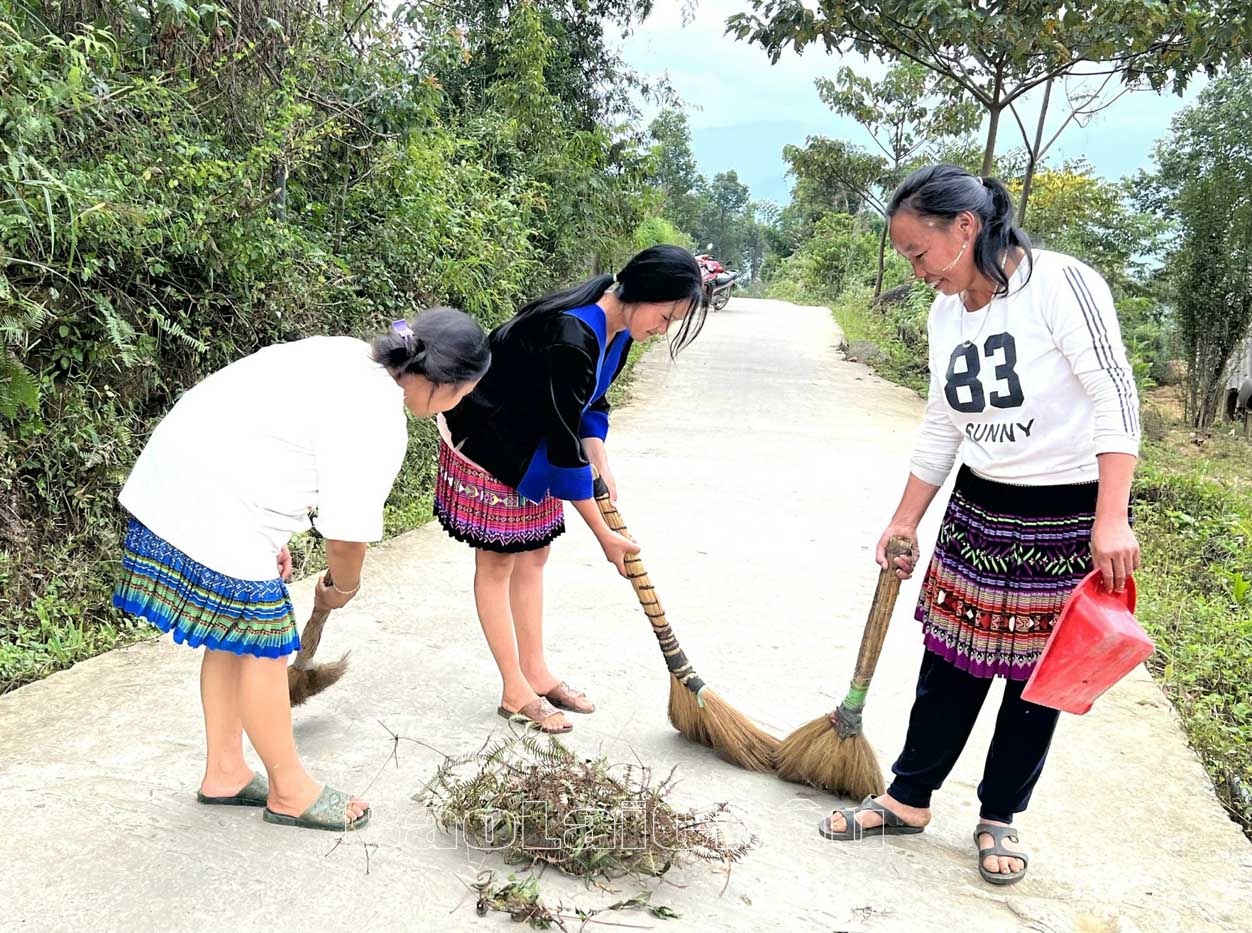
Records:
x=1096, y=642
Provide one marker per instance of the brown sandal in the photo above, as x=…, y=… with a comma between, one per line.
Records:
x=537, y=711
x=563, y=697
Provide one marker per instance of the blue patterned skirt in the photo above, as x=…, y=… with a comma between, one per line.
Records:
x=201, y=606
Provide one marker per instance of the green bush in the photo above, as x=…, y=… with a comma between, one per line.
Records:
x=842, y=253
x=181, y=185
x=653, y=231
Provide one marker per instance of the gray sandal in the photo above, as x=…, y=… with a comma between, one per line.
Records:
x=329, y=811
x=253, y=794
x=998, y=834
x=853, y=831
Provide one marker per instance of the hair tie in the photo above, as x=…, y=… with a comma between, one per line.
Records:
x=405, y=333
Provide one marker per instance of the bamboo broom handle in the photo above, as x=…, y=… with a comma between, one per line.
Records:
x=847, y=718
x=312, y=634
x=675, y=658
x=880, y=613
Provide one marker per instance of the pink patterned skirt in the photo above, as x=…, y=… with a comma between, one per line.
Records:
x=475, y=507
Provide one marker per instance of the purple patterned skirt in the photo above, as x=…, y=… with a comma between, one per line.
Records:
x=1006, y=560
x=475, y=507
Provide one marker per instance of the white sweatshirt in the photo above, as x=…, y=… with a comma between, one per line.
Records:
x=1031, y=388
x=232, y=471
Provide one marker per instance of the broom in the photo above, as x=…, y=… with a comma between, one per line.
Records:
x=694, y=710
x=831, y=751
x=304, y=678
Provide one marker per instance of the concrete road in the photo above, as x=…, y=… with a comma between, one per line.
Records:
x=757, y=473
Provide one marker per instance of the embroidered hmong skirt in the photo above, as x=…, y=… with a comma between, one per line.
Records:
x=475, y=507
x=1006, y=560
x=199, y=605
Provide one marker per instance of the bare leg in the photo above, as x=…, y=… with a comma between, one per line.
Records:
x=493, y=574
x=526, y=601
x=225, y=771
x=266, y=711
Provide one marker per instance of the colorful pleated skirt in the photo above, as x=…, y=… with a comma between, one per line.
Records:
x=475, y=507
x=1006, y=560
x=200, y=606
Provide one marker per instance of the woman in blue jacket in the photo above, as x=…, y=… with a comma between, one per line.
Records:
x=527, y=438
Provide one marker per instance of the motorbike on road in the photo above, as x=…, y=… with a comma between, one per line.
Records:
x=718, y=281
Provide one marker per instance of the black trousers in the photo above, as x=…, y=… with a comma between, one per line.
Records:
x=947, y=705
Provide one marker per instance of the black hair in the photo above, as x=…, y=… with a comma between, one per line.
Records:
x=944, y=191
x=661, y=273
x=443, y=344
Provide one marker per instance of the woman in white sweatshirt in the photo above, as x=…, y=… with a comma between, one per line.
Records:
x=1031, y=386
x=231, y=472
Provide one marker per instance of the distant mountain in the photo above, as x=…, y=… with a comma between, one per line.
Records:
x=754, y=150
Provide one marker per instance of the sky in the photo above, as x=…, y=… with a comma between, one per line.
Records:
x=743, y=111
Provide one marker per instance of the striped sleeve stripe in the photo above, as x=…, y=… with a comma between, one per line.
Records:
x=1103, y=349
x=1126, y=380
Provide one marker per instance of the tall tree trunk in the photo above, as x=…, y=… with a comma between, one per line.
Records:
x=1034, y=154
x=993, y=127
x=279, y=201
x=882, y=259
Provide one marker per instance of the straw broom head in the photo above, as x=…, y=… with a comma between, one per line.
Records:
x=832, y=752
x=816, y=754
x=694, y=710
x=303, y=683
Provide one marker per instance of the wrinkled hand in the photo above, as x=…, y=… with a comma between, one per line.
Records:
x=617, y=548
x=1115, y=552
x=284, y=564
x=905, y=564
x=327, y=597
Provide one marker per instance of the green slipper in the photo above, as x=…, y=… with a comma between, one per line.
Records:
x=253, y=794
x=326, y=812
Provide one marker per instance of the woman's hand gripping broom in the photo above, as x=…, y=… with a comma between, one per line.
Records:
x=304, y=678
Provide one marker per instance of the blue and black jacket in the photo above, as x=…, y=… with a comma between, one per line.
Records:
x=545, y=391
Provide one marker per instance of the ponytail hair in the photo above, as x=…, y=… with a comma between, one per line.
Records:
x=944, y=191
x=443, y=345
x=661, y=273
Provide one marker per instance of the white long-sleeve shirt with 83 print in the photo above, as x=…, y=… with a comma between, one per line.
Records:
x=1030, y=389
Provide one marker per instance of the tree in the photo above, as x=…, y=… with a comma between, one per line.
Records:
x=1083, y=103
x=906, y=113
x=537, y=88
x=1078, y=213
x=583, y=71
x=674, y=172
x=1204, y=180
x=830, y=175
x=725, y=214
x=999, y=53
x=763, y=215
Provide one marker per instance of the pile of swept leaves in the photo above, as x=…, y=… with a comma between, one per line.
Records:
x=537, y=803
